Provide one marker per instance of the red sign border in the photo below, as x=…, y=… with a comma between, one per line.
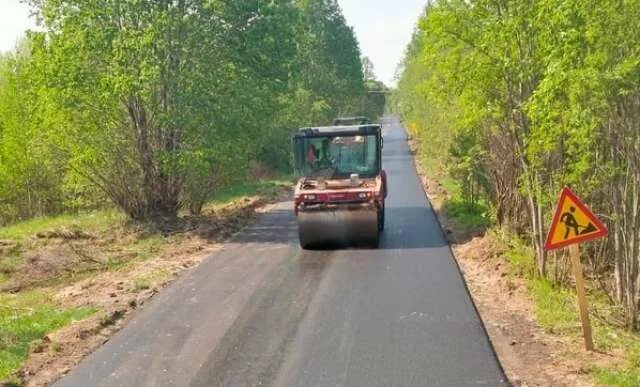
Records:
x=567, y=193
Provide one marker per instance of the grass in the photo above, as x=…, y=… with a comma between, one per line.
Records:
x=467, y=215
x=239, y=191
x=97, y=221
x=451, y=186
x=518, y=254
x=26, y=318
x=461, y=212
x=104, y=221
x=616, y=377
x=432, y=165
x=151, y=280
x=555, y=307
x=628, y=374
x=101, y=221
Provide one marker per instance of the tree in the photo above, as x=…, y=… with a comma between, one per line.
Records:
x=155, y=105
x=167, y=95
x=530, y=96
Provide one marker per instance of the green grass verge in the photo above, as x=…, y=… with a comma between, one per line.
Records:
x=628, y=374
x=246, y=189
x=461, y=212
x=616, y=377
x=555, y=307
x=517, y=252
x=25, y=318
x=103, y=220
x=96, y=221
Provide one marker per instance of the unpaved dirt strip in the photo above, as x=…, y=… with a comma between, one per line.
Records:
x=264, y=312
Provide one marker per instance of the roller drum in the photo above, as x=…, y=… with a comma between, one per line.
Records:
x=320, y=225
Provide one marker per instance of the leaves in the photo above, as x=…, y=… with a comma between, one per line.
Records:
x=156, y=105
x=530, y=96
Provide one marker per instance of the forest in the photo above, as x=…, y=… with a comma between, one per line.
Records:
x=520, y=98
x=152, y=107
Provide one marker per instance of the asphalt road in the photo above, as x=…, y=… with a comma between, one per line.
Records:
x=264, y=312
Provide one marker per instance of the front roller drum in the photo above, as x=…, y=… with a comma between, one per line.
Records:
x=320, y=226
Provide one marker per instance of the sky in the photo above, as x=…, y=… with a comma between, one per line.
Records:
x=14, y=21
x=383, y=28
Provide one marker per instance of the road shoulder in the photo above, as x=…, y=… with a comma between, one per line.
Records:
x=529, y=355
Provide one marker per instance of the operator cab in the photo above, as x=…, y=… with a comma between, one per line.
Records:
x=338, y=152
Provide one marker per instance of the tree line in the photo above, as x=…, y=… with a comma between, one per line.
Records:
x=529, y=96
x=154, y=105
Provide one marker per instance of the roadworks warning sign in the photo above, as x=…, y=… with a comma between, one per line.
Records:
x=573, y=223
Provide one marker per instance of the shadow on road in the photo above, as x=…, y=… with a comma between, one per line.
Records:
x=405, y=228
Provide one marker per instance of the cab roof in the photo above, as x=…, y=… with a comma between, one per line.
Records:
x=332, y=131
x=357, y=120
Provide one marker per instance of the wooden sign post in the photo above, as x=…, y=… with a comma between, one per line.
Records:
x=574, y=223
x=583, y=306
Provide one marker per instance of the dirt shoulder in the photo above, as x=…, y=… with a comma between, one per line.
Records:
x=112, y=275
x=529, y=355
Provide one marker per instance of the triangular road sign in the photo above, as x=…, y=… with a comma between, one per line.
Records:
x=573, y=223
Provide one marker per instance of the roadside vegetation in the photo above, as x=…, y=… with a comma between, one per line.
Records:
x=26, y=318
x=152, y=107
x=507, y=102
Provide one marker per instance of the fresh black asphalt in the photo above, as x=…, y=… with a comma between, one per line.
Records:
x=264, y=312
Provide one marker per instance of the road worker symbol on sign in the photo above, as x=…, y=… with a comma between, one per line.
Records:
x=573, y=223
x=570, y=222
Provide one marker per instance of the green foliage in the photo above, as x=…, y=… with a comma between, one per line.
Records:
x=154, y=106
x=30, y=182
x=525, y=97
x=374, y=101
x=518, y=253
x=25, y=318
x=466, y=214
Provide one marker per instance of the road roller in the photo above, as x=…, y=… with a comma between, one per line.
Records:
x=340, y=194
